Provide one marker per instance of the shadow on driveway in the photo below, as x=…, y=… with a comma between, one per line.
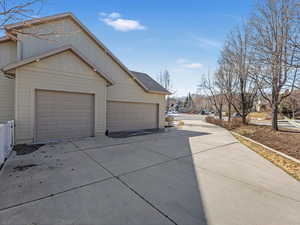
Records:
x=140, y=182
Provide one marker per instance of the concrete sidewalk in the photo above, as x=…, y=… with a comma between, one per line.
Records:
x=197, y=175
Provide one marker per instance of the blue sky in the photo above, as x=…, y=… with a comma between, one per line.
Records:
x=149, y=36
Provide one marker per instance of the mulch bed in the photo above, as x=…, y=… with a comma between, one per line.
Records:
x=285, y=141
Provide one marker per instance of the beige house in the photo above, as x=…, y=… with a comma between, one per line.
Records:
x=67, y=84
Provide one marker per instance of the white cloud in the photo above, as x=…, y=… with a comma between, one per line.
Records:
x=205, y=42
x=181, y=61
x=193, y=65
x=103, y=14
x=186, y=64
x=114, y=20
x=114, y=15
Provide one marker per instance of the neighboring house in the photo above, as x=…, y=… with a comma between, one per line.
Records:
x=71, y=85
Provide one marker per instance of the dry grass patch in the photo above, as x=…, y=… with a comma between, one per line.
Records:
x=259, y=115
x=180, y=123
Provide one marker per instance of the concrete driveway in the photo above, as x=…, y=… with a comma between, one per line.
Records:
x=197, y=175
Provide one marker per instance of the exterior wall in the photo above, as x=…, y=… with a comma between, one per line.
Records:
x=125, y=89
x=63, y=72
x=8, y=52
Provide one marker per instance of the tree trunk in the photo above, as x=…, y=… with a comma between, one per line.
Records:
x=293, y=114
x=229, y=112
x=275, y=116
x=244, y=119
x=220, y=112
x=167, y=106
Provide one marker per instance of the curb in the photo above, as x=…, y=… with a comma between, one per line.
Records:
x=297, y=125
x=271, y=149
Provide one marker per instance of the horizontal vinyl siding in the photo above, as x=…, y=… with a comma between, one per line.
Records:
x=8, y=54
x=125, y=88
x=7, y=94
x=63, y=78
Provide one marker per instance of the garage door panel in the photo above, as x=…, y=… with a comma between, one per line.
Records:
x=61, y=115
x=123, y=116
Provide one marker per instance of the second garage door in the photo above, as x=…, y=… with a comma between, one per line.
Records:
x=61, y=115
x=125, y=116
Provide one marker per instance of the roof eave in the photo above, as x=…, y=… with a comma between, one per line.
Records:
x=19, y=25
x=5, y=39
x=10, y=68
x=159, y=92
x=36, y=21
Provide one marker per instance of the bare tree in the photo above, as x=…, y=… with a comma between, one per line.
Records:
x=226, y=79
x=164, y=79
x=290, y=105
x=215, y=94
x=236, y=70
x=275, y=41
x=12, y=11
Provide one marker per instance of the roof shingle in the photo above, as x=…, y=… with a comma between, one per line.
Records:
x=149, y=83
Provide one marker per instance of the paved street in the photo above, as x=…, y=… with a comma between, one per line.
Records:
x=281, y=123
x=196, y=175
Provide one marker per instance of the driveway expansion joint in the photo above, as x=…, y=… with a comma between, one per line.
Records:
x=131, y=189
x=54, y=194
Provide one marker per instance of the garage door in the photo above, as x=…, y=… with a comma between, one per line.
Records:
x=62, y=115
x=124, y=116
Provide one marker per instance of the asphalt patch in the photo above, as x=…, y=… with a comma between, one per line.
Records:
x=24, y=149
x=126, y=134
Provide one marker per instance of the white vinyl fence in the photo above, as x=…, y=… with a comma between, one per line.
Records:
x=6, y=140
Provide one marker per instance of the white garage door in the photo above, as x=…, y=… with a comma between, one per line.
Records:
x=124, y=116
x=62, y=115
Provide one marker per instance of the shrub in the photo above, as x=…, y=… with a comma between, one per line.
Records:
x=234, y=123
x=180, y=123
x=169, y=119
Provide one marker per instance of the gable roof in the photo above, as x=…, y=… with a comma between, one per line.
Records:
x=4, y=38
x=11, y=27
x=149, y=83
x=53, y=52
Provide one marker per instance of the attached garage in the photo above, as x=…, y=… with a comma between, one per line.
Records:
x=73, y=86
x=62, y=115
x=126, y=116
